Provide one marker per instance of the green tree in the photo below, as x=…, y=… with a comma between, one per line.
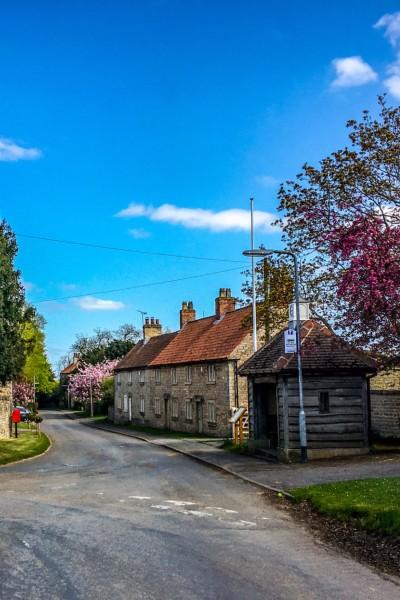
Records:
x=13, y=310
x=37, y=367
x=105, y=344
x=274, y=291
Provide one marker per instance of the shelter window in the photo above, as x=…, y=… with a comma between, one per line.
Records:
x=324, y=402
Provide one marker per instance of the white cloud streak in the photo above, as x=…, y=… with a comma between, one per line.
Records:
x=233, y=219
x=267, y=181
x=92, y=303
x=10, y=151
x=390, y=23
x=352, y=71
x=139, y=234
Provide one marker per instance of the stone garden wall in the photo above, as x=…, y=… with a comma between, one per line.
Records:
x=5, y=411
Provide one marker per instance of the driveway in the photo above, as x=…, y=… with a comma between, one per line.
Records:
x=109, y=517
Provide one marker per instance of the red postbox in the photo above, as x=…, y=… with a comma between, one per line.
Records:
x=16, y=415
x=16, y=418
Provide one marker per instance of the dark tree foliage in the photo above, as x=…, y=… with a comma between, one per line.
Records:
x=13, y=310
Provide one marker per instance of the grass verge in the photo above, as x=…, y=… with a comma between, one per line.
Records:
x=160, y=432
x=26, y=445
x=229, y=446
x=371, y=504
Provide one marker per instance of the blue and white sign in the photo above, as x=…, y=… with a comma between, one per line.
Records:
x=290, y=341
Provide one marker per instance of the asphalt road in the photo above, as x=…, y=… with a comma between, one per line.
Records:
x=108, y=517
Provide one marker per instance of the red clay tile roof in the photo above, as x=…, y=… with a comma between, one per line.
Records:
x=206, y=339
x=202, y=340
x=141, y=355
x=70, y=369
x=322, y=350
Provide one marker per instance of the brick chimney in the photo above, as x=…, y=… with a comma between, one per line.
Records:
x=224, y=303
x=187, y=313
x=151, y=328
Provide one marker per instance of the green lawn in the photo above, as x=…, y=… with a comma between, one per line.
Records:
x=26, y=445
x=162, y=432
x=372, y=504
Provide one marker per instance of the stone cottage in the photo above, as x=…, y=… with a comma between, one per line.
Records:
x=65, y=376
x=187, y=380
x=336, y=396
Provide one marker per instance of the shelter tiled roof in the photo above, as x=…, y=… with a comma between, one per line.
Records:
x=142, y=354
x=321, y=350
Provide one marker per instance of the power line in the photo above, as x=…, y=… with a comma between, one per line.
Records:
x=118, y=249
x=142, y=285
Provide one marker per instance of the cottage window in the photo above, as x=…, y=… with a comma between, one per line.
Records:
x=141, y=376
x=157, y=375
x=189, y=410
x=130, y=407
x=157, y=407
x=130, y=377
x=211, y=373
x=119, y=401
x=125, y=402
x=174, y=375
x=324, y=402
x=175, y=408
x=188, y=374
x=211, y=412
x=118, y=378
x=141, y=403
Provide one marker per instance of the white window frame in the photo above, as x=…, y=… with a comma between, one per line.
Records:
x=130, y=377
x=175, y=408
x=189, y=410
x=174, y=375
x=188, y=374
x=157, y=376
x=119, y=401
x=119, y=378
x=211, y=375
x=141, y=405
x=125, y=408
x=211, y=415
x=157, y=407
x=141, y=375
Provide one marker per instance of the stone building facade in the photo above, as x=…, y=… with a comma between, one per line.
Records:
x=385, y=404
x=187, y=380
x=5, y=411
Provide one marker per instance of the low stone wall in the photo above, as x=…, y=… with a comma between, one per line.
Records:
x=5, y=411
x=385, y=413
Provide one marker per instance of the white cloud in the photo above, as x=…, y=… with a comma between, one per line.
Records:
x=392, y=83
x=92, y=303
x=391, y=26
x=267, y=180
x=139, y=234
x=10, y=151
x=352, y=71
x=232, y=219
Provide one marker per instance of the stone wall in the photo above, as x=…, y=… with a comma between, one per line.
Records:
x=5, y=411
x=385, y=413
x=386, y=380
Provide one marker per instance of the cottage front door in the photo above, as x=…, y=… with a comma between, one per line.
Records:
x=199, y=414
x=166, y=411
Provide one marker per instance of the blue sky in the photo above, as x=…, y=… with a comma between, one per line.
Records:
x=148, y=125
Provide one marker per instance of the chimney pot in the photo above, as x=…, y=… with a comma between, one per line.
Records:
x=187, y=313
x=151, y=328
x=224, y=303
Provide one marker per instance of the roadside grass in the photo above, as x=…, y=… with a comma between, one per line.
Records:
x=371, y=504
x=26, y=445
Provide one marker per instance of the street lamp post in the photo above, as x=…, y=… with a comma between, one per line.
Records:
x=302, y=415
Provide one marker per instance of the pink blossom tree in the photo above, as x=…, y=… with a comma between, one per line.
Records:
x=343, y=220
x=23, y=393
x=86, y=383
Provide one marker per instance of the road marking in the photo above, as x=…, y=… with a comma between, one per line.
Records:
x=140, y=497
x=180, y=503
x=25, y=544
x=225, y=510
x=161, y=506
x=197, y=513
